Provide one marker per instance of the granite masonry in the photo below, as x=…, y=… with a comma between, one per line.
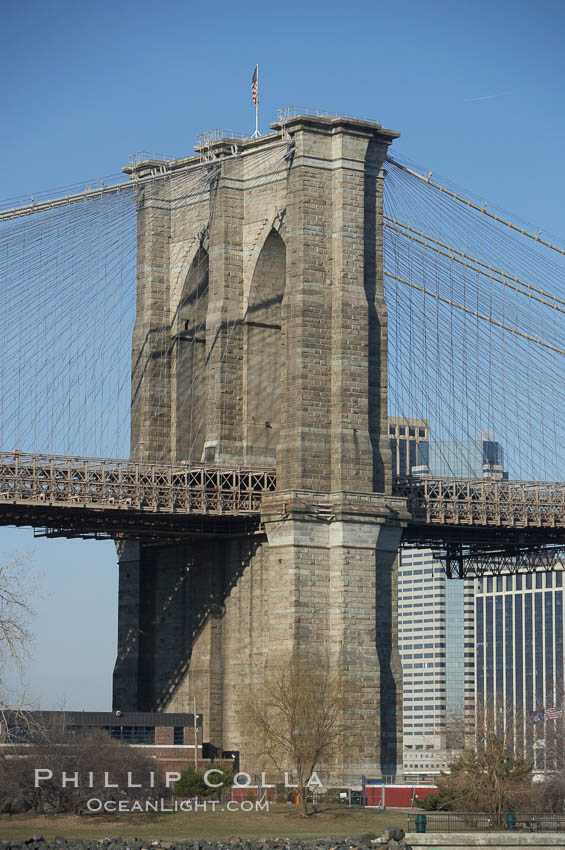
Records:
x=261, y=340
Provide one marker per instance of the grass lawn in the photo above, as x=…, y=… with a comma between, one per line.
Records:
x=283, y=820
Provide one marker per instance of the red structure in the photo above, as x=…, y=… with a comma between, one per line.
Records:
x=396, y=796
x=239, y=793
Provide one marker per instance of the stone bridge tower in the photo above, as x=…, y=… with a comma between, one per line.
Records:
x=261, y=340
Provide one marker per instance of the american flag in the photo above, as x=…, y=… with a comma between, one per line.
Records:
x=254, y=86
x=553, y=713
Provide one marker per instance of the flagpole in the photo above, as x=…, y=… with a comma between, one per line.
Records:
x=257, y=106
x=256, y=134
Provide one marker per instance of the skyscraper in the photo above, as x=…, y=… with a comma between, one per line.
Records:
x=520, y=664
x=436, y=642
x=422, y=644
x=482, y=458
x=492, y=649
x=408, y=444
x=436, y=615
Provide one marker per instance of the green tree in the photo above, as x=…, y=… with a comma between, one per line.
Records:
x=190, y=784
x=439, y=802
x=222, y=778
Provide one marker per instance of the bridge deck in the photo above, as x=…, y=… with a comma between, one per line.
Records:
x=484, y=503
x=159, y=498
x=127, y=497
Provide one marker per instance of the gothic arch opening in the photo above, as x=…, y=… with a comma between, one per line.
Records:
x=264, y=351
x=189, y=362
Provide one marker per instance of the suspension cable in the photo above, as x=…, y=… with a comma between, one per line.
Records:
x=476, y=207
x=455, y=255
x=476, y=314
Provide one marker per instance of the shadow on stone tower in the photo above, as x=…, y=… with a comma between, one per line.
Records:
x=261, y=341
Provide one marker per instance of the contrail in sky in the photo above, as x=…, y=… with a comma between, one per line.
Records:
x=485, y=97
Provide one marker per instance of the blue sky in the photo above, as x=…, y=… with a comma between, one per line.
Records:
x=476, y=90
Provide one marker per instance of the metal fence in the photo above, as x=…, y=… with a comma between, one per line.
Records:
x=467, y=822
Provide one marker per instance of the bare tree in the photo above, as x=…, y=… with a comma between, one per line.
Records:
x=459, y=729
x=489, y=777
x=16, y=592
x=88, y=753
x=550, y=791
x=295, y=719
x=15, y=610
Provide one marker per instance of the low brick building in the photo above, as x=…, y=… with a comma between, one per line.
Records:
x=169, y=738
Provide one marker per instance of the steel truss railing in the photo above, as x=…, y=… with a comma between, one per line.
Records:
x=183, y=488
x=99, y=484
x=483, y=503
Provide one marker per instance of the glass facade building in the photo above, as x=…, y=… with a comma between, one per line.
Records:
x=466, y=459
x=414, y=454
x=520, y=664
x=408, y=444
x=489, y=648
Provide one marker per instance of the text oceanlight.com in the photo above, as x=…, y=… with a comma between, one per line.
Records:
x=95, y=806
